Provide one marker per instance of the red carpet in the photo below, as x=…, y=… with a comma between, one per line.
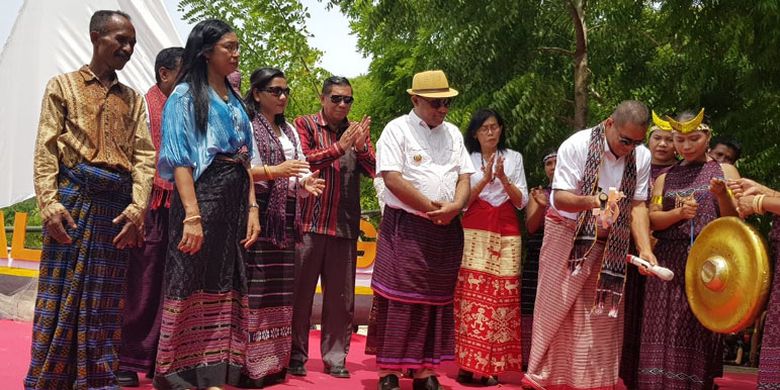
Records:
x=15, y=353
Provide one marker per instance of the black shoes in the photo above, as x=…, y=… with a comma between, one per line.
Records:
x=429, y=383
x=467, y=377
x=388, y=382
x=296, y=368
x=127, y=378
x=337, y=371
x=489, y=380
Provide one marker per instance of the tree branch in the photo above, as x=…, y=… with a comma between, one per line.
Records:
x=576, y=11
x=596, y=95
x=556, y=50
x=298, y=54
x=651, y=39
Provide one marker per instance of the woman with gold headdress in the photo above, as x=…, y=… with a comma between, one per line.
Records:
x=661, y=144
x=662, y=156
x=676, y=351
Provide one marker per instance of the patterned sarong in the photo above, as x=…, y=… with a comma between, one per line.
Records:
x=81, y=287
x=411, y=320
x=487, y=299
x=571, y=349
x=204, y=333
x=417, y=261
x=769, y=366
x=270, y=273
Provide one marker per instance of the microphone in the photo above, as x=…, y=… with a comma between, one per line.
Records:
x=661, y=272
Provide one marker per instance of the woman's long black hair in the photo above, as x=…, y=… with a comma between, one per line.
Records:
x=259, y=81
x=477, y=120
x=194, y=66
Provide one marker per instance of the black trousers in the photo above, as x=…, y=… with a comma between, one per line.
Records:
x=333, y=260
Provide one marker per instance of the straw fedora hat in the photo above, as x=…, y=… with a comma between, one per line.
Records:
x=431, y=84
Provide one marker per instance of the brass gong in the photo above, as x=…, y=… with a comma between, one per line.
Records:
x=727, y=275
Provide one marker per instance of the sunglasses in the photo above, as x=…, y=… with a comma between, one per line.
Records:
x=277, y=91
x=337, y=99
x=630, y=142
x=438, y=103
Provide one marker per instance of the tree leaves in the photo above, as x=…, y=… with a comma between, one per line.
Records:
x=516, y=56
x=271, y=33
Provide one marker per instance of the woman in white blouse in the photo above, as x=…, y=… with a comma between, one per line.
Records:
x=487, y=296
x=281, y=175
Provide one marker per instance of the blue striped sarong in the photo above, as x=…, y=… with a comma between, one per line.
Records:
x=81, y=286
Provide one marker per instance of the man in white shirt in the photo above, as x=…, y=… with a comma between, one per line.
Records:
x=426, y=169
x=578, y=318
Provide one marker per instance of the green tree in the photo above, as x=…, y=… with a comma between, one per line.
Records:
x=556, y=66
x=271, y=33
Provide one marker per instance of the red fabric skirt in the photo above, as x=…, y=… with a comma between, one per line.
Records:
x=487, y=294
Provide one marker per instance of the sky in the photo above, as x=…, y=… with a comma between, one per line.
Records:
x=330, y=29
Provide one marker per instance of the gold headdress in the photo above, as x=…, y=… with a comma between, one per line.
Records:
x=691, y=125
x=660, y=123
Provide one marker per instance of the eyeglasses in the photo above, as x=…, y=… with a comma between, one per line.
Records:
x=484, y=129
x=232, y=47
x=277, y=91
x=337, y=99
x=630, y=142
x=438, y=103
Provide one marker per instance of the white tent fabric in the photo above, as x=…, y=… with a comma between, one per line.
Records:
x=52, y=37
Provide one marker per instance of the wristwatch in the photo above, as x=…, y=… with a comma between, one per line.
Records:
x=603, y=198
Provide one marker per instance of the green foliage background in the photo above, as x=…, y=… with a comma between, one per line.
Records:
x=515, y=56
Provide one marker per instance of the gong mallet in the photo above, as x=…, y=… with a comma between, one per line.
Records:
x=661, y=272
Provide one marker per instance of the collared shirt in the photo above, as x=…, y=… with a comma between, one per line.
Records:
x=337, y=211
x=184, y=145
x=494, y=192
x=570, y=168
x=431, y=159
x=83, y=121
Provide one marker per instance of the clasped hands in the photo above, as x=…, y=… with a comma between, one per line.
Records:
x=130, y=236
x=442, y=212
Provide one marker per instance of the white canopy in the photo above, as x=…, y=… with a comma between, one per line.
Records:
x=52, y=37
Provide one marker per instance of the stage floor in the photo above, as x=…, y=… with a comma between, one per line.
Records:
x=15, y=351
